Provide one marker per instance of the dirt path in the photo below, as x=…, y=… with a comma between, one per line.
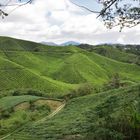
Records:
x=51, y=115
x=39, y=121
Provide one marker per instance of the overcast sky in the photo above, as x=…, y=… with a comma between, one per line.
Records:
x=60, y=21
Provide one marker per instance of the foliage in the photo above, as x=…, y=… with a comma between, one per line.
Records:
x=105, y=116
x=12, y=118
x=83, y=90
x=120, y=13
x=123, y=53
x=115, y=82
x=71, y=73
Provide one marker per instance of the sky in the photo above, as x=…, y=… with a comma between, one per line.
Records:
x=59, y=21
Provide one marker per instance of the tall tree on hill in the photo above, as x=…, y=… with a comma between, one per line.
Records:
x=123, y=13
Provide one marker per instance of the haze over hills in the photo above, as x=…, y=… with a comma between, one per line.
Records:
x=62, y=44
x=70, y=43
x=49, y=43
x=105, y=77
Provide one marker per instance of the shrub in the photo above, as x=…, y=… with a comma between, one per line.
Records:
x=115, y=82
x=5, y=114
x=16, y=93
x=36, y=50
x=43, y=108
x=34, y=92
x=85, y=89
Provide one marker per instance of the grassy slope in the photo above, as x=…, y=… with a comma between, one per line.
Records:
x=116, y=54
x=56, y=69
x=15, y=76
x=20, y=70
x=16, y=111
x=76, y=115
x=11, y=101
x=127, y=71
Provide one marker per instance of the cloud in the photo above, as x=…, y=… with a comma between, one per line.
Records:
x=60, y=21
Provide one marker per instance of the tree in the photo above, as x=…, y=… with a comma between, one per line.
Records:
x=123, y=13
x=115, y=82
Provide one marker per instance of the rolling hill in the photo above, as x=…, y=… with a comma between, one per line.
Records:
x=81, y=78
x=96, y=116
x=122, y=53
x=26, y=65
x=70, y=43
x=117, y=54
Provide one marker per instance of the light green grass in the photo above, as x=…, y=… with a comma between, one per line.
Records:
x=11, y=101
x=56, y=70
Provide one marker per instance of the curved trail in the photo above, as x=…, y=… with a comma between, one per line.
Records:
x=51, y=115
x=39, y=121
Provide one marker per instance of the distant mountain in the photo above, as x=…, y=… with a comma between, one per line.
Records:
x=70, y=43
x=62, y=44
x=49, y=43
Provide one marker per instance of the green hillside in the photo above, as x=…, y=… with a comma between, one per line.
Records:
x=97, y=86
x=119, y=55
x=56, y=69
x=16, y=111
x=11, y=101
x=96, y=116
x=15, y=76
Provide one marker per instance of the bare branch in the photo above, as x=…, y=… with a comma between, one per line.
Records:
x=86, y=8
x=114, y=12
x=105, y=9
x=2, y=6
x=118, y=12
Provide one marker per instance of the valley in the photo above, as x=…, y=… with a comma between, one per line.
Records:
x=94, y=91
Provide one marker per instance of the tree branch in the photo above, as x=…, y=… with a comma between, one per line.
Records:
x=6, y=5
x=84, y=7
x=104, y=10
